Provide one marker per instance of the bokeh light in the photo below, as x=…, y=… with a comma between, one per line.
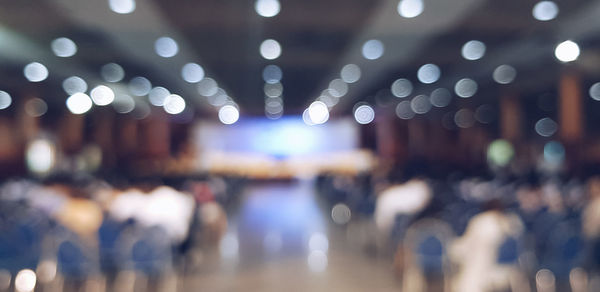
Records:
x=500, y=152
x=318, y=112
x=112, y=72
x=272, y=74
x=174, y=104
x=122, y=6
x=372, y=49
x=139, y=86
x=5, y=100
x=338, y=88
x=404, y=110
x=420, y=104
x=25, y=281
x=504, y=74
x=402, y=88
x=545, y=10
x=273, y=90
x=440, y=97
x=63, y=47
x=473, y=50
x=546, y=127
x=350, y=73
x=79, y=103
x=166, y=47
x=102, y=95
x=157, y=95
x=192, y=73
x=464, y=118
x=554, y=152
x=218, y=99
x=410, y=8
x=123, y=103
x=595, y=91
x=35, y=72
x=74, y=84
x=317, y=261
x=364, y=114
x=465, y=88
x=429, y=73
x=341, y=213
x=267, y=8
x=40, y=157
x=36, y=107
x=207, y=87
x=270, y=49
x=318, y=241
x=567, y=51
x=228, y=114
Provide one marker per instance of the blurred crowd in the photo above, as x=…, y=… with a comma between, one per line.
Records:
x=472, y=233
x=68, y=233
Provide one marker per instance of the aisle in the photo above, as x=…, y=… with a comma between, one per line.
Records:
x=280, y=241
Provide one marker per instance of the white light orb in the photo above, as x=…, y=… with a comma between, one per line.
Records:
x=338, y=88
x=270, y=49
x=364, y=114
x=267, y=8
x=545, y=10
x=192, y=73
x=158, y=95
x=473, y=50
x=122, y=6
x=139, y=86
x=228, y=114
x=174, y=104
x=25, y=281
x=410, y=8
x=35, y=72
x=402, y=88
x=504, y=74
x=372, y=49
x=350, y=73
x=63, y=47
x=429, y=73
x=465, y=88
x=166, y=47
x=74, y=84
x=112, y=72
x=595, y=91
x=567, y=51
x=102, y=95
x=79, y=103
x=318, y=112
x=272, y=74
x=5, y=100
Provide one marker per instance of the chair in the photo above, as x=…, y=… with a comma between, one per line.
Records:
x=508, y=252
x=150, y=252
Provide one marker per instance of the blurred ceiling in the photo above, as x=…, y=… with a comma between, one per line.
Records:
x=317, y=38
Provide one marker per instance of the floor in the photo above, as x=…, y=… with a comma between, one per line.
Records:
x=283, y=239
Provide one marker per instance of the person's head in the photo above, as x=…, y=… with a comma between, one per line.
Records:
x=493, y=205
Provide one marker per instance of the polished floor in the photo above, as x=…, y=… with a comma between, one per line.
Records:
x=282, y=239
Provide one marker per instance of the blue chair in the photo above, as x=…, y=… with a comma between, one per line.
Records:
x=108, y=241
x=430, y=254
x=20, y=246
x=72, y=260
x=151, y=252
x=565, y=251
x=508, y=252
